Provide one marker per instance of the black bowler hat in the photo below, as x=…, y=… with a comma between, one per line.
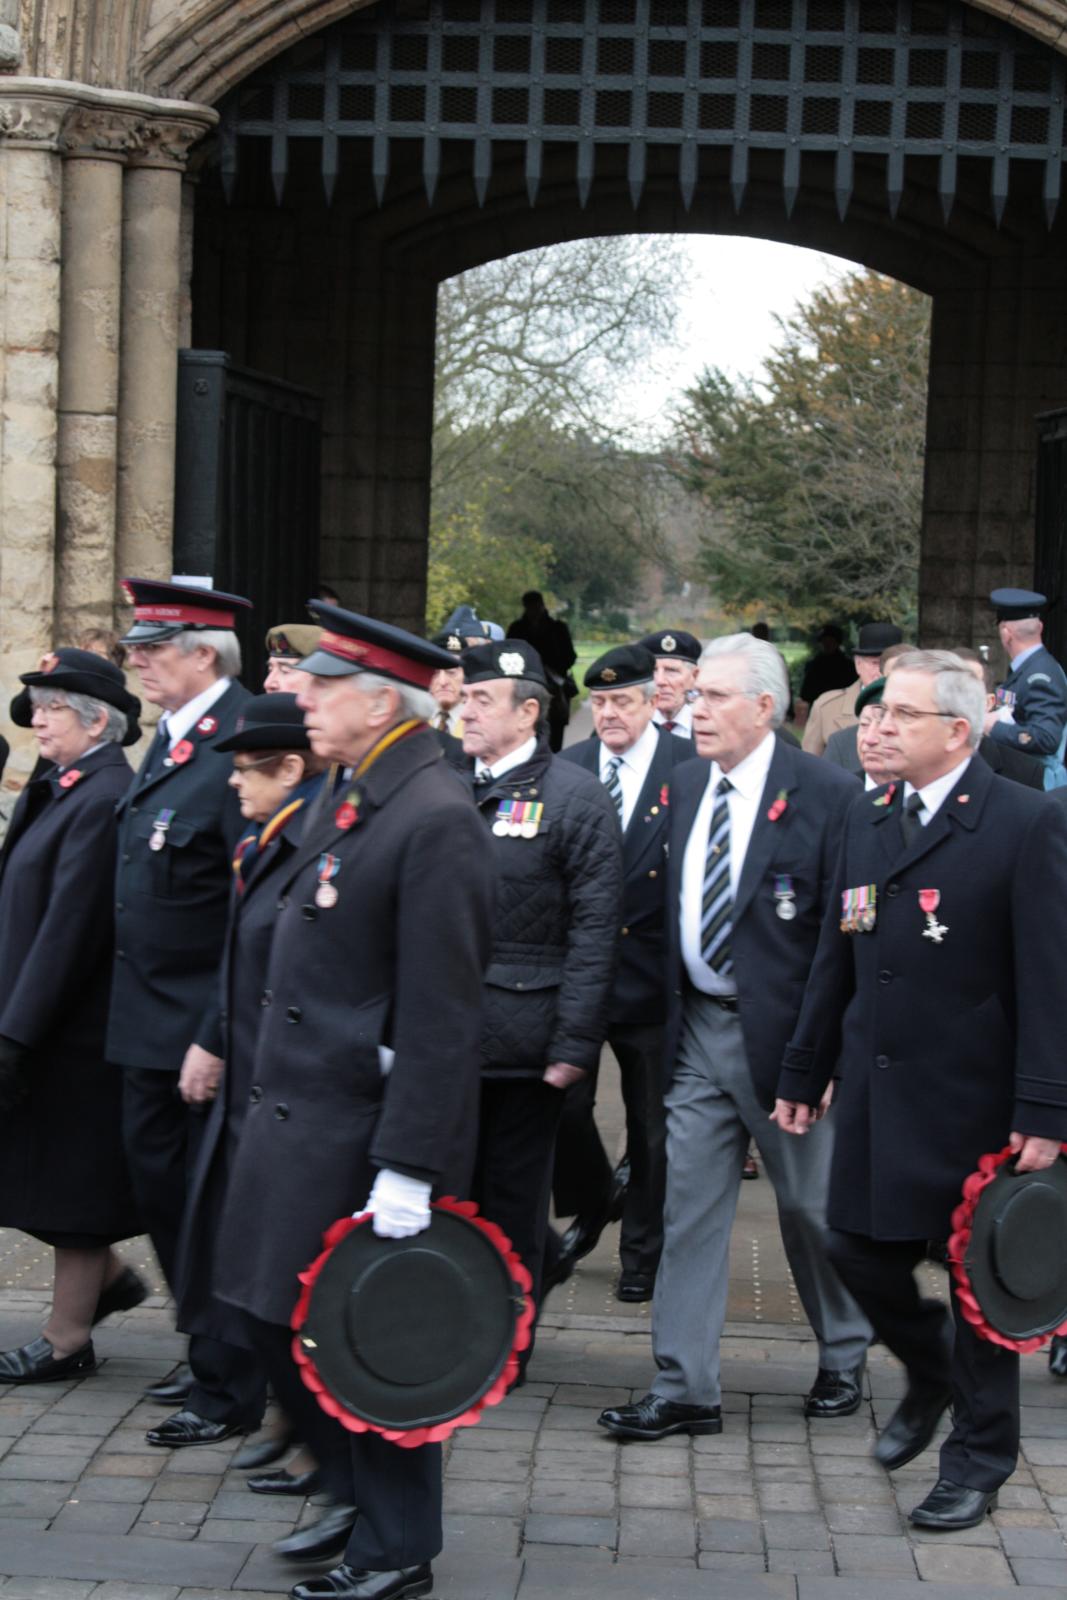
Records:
x=622, y=668
x=351, y=643
x=1007, y=1251
x=161, y=610
x=81, y=672
x=1014, y=605
x=412, y=1337
x=268, y=722
x=874, y=637
x=510, y=658
x=673, y=644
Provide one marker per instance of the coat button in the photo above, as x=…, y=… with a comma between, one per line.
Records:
x=881, y=1062
x=653, y=873
x=119, y=906
x=281, y=1113
x=892, y=890
x=265, y=998
x=885, y=977
x=625, y=931
x=308, y=913
x=255, y=1094
x=120, y=955
x=134, y=810
x=126, y=857
x=283, y=902
x=293, y=1014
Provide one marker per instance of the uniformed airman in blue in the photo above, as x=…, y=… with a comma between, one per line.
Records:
x=1031, y=710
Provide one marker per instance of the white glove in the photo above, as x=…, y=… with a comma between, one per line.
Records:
x=400, y=1205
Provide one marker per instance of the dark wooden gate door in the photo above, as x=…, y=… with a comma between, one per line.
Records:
x=1050, y=534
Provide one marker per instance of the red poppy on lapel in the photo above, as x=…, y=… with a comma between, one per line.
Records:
x=664, y=795
x=181, y=753
x=69, y=779
x=778, y=806
x=345, y=816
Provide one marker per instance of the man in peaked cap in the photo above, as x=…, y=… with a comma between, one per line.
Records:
x=551, y=834
x=178, y=825
x=835, y=709
x=287, y=645
x=677, y=655
x=634, y=760
x=366, y=1062
x=1031, y=714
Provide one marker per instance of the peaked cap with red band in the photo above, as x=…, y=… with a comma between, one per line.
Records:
x=350, y=643
x=161, y=610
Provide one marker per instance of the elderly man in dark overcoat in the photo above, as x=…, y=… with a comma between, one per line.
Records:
x=366, y=1068
x=178, y=824
x=936, y=985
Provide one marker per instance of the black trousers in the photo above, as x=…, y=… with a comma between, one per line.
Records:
x=983, y=1447
x=582, y=1176
x=162, y=1135
x=512, y=1180
x=397, y=1492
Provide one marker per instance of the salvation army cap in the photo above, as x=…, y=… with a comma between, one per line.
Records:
x=352, y=643
x=673, y=644
x=874, y=637
x=621, y=668
x=290, y=641
x=1013, y=605
x=1007, y=1252
x=512, y=658
x=411, y=1337
x=268, y=722
x=161, y=610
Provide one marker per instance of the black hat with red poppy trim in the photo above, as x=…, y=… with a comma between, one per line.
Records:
x=162, y=610
x=352, y=643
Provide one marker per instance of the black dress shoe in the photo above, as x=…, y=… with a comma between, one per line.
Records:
x=348, y=1583
x=655, y=1418
x=257, y=1452
x=286, y=1482
x=172, y=1391
x=950, y=1505
x=37, y=1362
x=634, y=1287
x=1057, y=1356
x=911, y=1427
x=127, y=1291
x=186, y=1427
x=582, y=1236
x=620, y=1182
x=835, y=1394
x=327, y=1537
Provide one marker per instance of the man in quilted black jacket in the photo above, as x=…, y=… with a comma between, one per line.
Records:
x=552, y=831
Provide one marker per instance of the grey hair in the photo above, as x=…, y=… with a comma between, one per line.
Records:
x=526, y=689
x=86, y=709
x=414, y=702
x=225, y=644
x=764, y=669
x=957, y=692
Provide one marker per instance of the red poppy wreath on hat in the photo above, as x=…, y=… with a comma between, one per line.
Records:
x=1008, y=1251
x=413, y=1338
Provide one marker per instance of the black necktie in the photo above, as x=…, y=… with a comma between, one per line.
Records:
x=910, y=826
x=156, y=751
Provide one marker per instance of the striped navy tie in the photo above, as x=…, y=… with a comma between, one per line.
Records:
x=612, y=784
x=718, y=901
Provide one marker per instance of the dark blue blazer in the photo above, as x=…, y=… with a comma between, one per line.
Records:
x=944, y=1048
x=638, y=996
x=1040, y=690
x=771, y=956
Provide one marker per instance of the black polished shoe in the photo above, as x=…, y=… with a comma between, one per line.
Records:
x=635, y=1287
x=348, y=1583
x=172, y=1391
x=620, y=1182
x=911, y=1427
x=286, y=1482
x=1057, y=1356
x=128, y=1290
x=835, y=1394
x=37, y=1362
x=950, y=1506
x=582, y=1236
x=656, y=1418
x=327, y=1537
x=186, y=1427
x=257, y=1452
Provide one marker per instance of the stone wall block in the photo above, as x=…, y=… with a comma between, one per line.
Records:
x=31, y=305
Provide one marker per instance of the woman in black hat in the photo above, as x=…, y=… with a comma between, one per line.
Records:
x=62, y=1172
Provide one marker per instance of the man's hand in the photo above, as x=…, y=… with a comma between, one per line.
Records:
x=561, y=1074
x=399, y=1205
x=792, y=1117
x=200, y=1075
x=1033, y=1154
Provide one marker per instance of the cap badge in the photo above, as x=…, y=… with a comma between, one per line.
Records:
x=50, y=662
x=512, y=664
x=609, y=674
x=454, y=643
x=668, y=642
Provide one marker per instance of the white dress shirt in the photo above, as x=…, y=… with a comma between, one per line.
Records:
x=683, y=721
x=178, y=723
x=505, y=764
x=935, y=794
x=748, y=780
x=633, y=769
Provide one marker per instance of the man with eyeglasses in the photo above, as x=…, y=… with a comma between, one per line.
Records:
x=935, y=995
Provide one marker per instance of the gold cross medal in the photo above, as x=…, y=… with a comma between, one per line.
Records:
x=929, y=900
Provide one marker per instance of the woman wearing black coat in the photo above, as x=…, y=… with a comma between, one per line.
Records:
x=62, y=1172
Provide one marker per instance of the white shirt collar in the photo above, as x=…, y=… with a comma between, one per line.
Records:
x=749, y=777
x=935, y=794
x=178, y=723
x=639, y=756
x=516, y=758
x=681, y=719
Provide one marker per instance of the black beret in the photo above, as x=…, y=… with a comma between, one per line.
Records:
x=673, y=644
x=621, y=668
x=510, y=658
x=870, y=695
x=268, y=722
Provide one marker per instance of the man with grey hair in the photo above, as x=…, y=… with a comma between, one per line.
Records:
x=178, y=826
x=935, y=997
x=754, y=831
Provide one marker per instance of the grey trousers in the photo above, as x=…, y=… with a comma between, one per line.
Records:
x=712, y=1110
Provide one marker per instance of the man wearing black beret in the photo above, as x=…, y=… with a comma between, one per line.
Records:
x=676, y=654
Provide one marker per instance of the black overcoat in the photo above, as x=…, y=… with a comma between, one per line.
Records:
x=945, y=1048
x=771, y=956
x=62, y=1169
x=171, y=905
x=639, y=993
x=397, y=962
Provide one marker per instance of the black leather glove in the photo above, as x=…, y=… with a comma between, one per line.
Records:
x=14, y=1074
